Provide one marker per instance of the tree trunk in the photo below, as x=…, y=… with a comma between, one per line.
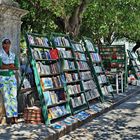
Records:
x=71, y=24
x=68, y=24
x=74, y=22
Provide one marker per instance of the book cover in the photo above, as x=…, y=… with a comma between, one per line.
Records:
x=54, y=54
x=31, y=39
x=45, y=42
x=47, y=98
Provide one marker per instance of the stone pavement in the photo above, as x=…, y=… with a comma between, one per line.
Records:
x=122, y=123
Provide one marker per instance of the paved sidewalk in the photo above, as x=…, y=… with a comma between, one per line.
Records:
x=122, y=123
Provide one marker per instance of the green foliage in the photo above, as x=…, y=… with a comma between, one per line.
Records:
x=43, y=14
x=112, y=18
x=109, y=19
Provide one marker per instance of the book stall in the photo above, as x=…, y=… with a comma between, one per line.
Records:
x=104, y=87
x=115, y=62
x=64, y=82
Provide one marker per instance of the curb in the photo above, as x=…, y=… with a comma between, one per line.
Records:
x=69, y=128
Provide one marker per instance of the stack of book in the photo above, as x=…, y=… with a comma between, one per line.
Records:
x=89, y=45
x=61, y=41
x=85, y=75
x=54, y=97
x=102, y=79
x=45, y=54
x=53, y=82
x=68, y=65
x=89, y=85
x=92, y=94
x=41, y=41
x=98, y=69
x=78, y=101
x=78, y=47
x=74, y=89
x=65, y=54
x=57, y=111
x=80, y=56
x=71, y=77
x=82, y=65
x=48, y=69
x=95, y=57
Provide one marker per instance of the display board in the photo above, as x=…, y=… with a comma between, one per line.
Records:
x=71, y=76
x=98, y=71
x=86, y=76
x=45, y=63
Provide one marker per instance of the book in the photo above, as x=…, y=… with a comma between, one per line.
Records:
x=54, y=54
x=71, y=65
x=98, y=69
x=31, y=39
x=65, y=65
x=73, y=89
x=89, y=45
x=61, y=95
x=55, y=68
x=83, y=99
x=46, y=42
x=52, y=113
x=54, y=97
x=71, y=77
x=42, y=69
x=46, y=83
x=61, y=41
x=104, y=90
x=89, y=84
x=36, y=53
x=38, y=41
x=47, y=98
x=95, y=57
x=82, y=65
x=80, y=56
x=110, y=88
x=73, y=103
x=85, y=75
x=65, y=54
x=77, y=47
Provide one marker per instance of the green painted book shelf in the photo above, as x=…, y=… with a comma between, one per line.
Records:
x=104, y=87
x=86, y=77
x=115, y=61
x=48, y=77
x=71, y=76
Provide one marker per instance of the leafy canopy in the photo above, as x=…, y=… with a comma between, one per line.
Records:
x=108, y=19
